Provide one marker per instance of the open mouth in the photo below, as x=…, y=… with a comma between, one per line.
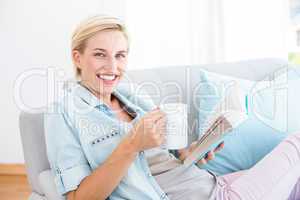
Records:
x=107, y=78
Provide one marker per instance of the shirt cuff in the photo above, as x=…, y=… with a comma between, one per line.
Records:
x=69, y=179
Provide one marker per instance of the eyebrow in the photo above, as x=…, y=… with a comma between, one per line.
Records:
x=121, y=51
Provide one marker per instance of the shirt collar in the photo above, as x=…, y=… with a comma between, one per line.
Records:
x=78, y=90
x=88, y=97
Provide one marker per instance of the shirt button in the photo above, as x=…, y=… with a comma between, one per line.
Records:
x=58, y=171
x=113, y=130
x=163, y=196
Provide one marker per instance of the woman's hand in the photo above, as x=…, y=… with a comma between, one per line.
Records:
x=149, y=131
x=183, y=153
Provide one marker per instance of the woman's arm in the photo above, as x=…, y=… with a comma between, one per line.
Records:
x=147, y=133
x=101, y=183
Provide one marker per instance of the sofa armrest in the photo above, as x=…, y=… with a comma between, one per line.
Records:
x=46, y=180
x=36, y=196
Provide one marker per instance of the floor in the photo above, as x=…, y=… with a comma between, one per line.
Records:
x=14, y=187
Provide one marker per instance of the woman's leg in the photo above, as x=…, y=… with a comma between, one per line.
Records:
x=275, y=175
x=295, y=194
x=233, y=176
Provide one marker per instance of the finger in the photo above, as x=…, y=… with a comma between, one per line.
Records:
x=151, y=119
x=159, y=138
x=161, y=122
x=155, y=115
x=182, y=152
x=163, y=139
x=202, y=161
x=219, y=147
x=193, y=146
x=156, y=108
x=160, y=126
x=152, y=112
x=209, y=156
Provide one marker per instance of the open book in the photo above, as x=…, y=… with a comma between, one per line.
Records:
x=226, y=116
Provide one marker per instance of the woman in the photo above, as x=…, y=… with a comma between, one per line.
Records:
x=101, y=144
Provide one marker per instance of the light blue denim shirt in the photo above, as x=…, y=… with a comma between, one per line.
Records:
x=81, y=132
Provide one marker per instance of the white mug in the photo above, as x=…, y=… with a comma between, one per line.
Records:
x=177, y=125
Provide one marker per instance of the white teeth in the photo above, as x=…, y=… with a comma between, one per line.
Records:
x=107, y=77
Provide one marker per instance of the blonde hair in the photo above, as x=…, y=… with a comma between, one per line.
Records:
x=90, y=27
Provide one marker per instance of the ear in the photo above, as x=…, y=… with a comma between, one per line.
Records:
x=76, y=56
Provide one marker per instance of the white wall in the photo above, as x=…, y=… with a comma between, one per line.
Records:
x=255, y=29
x=206, y=31
x=35, y=34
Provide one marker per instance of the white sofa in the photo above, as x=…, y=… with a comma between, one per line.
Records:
x=31, y=126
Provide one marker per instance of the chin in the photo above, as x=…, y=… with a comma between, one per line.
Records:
x=105, y=90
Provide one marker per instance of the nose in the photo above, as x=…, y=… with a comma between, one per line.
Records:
x=111, y=64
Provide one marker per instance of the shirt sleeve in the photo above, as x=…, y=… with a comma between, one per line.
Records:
x=65, y=154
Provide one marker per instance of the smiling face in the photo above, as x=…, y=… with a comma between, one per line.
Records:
x=103, y=61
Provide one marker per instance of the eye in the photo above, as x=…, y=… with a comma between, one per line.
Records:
x=120, y=55
x=99, y=54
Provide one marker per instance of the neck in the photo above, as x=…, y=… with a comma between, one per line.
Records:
x=106, y=98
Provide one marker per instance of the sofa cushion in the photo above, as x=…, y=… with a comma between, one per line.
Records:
x=245, y=145
x=34, y=148
x=275, y=101
x=36, y=196
x=46, y=181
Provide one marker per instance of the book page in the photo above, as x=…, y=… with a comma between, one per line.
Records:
x=228, y=114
